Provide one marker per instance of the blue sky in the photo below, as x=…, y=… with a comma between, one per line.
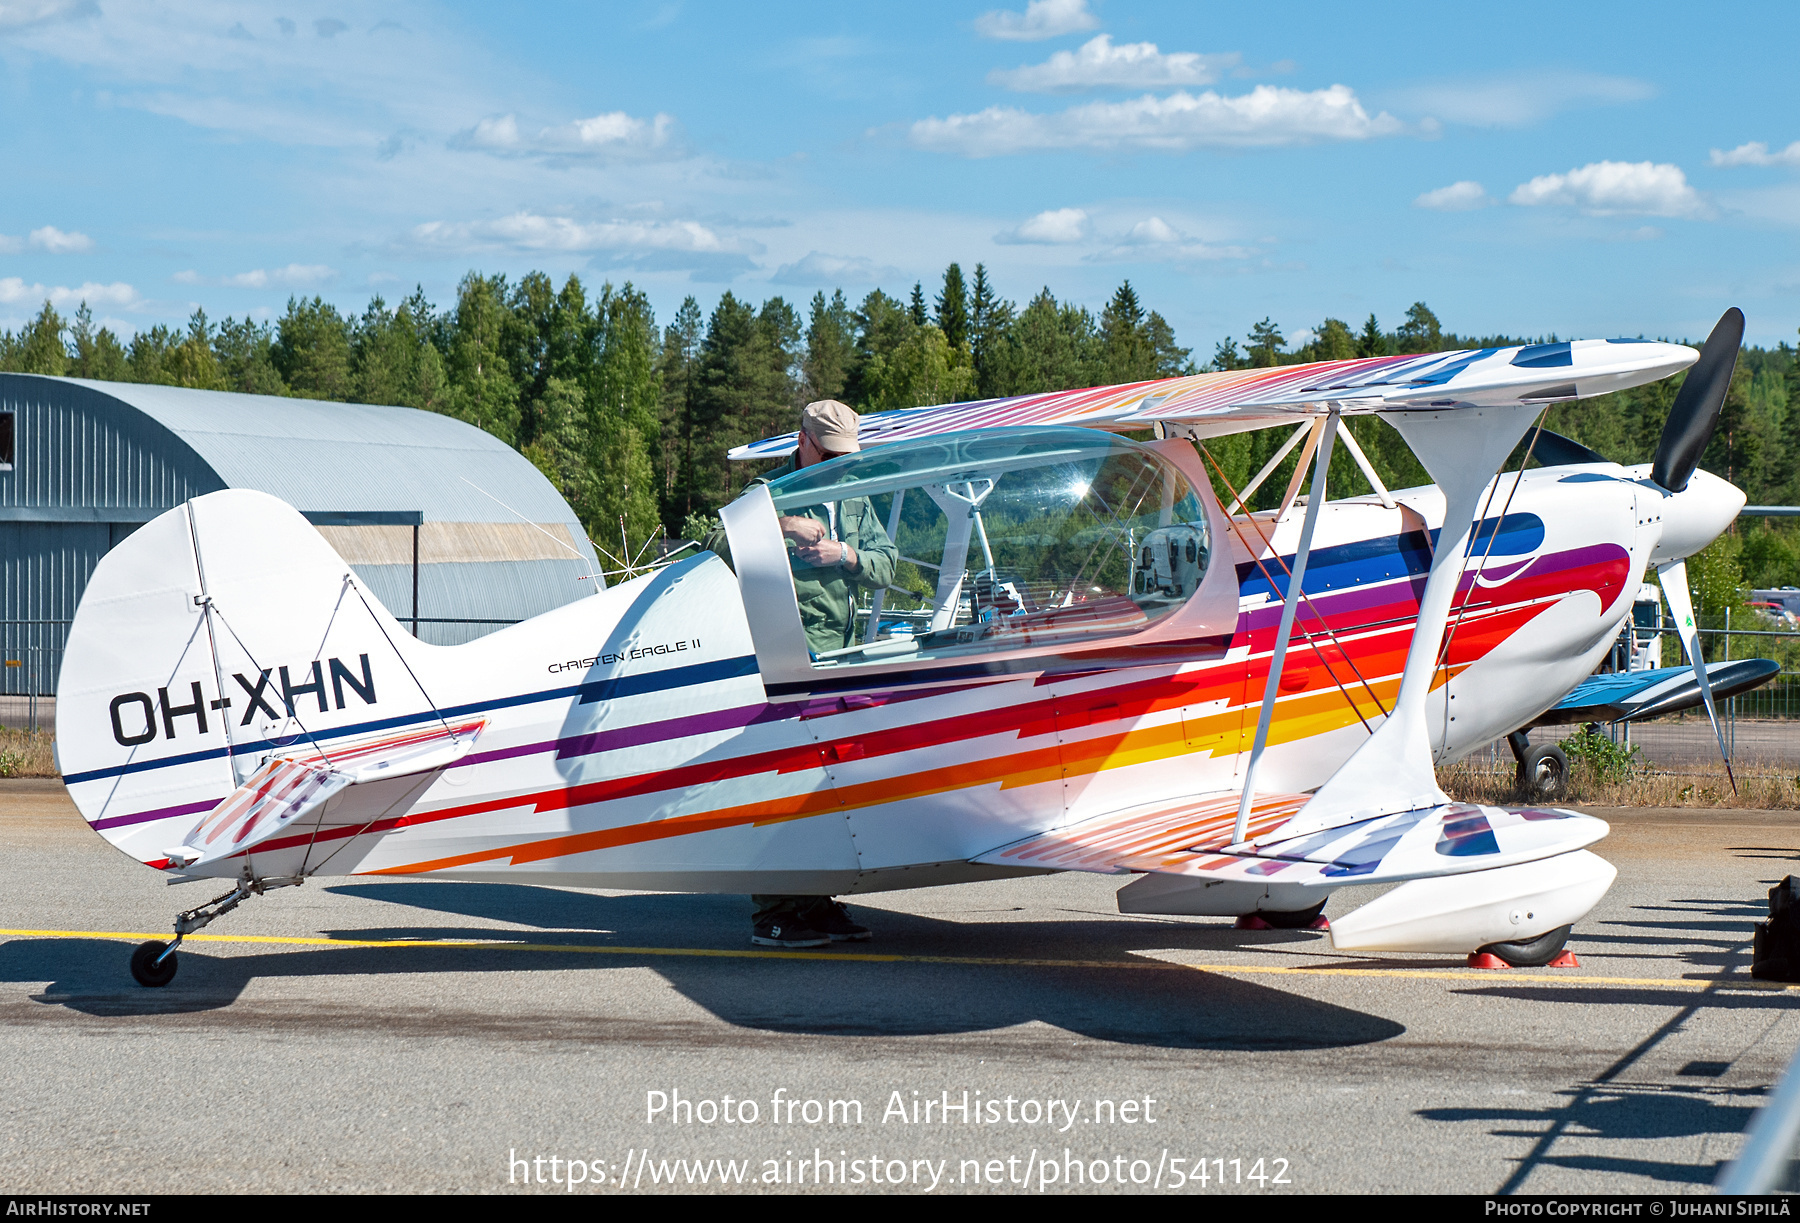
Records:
x=1561, y=169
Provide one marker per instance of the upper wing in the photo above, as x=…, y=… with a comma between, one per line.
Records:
x=1246, y=399
x=1629, y=696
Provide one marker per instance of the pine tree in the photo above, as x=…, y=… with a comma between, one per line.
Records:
x=1421, y=331
x=191, y=363
x=1167, y=359
x=882, y=326
x=1333, y=341
x=243, y=351
x=830, y=348
x=1227, y=357
x=679, y=369
x=1372, y=342
x=312, y=350
x=953, y=310
x=1265, y=344
x=919, y=316
x=482, y=389
x=1127, y=349
x=990, y=335
x=39, y=347
x=96, y=354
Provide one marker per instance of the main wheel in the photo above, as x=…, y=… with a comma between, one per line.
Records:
x=1543, y=773
x=1534, y=954
x=1300, y=919
x=147, y=971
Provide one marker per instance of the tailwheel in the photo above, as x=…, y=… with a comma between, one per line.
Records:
x=151, y=967
x=1546, y=950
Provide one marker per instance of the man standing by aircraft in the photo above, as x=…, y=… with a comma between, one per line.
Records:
x=835, y=549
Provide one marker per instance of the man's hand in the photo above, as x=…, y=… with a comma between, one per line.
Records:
x=801, y=530
x=826, y=553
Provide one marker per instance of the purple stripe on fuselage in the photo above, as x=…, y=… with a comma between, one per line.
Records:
x=161, y=813
x=650, y=732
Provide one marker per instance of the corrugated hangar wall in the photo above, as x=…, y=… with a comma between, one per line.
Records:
x=83, y=464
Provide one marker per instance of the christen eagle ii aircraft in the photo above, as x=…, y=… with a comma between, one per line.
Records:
x=1084, y=662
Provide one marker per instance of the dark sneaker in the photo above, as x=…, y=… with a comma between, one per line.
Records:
x=787, y=931
x=834, y=920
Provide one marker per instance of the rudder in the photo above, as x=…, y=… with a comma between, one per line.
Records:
x=220, y=633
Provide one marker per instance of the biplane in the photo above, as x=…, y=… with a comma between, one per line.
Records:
x=1089, y=659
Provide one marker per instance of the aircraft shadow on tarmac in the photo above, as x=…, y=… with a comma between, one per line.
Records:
x=1617, y=1114
x=1132, y=1003
x=1700, y=933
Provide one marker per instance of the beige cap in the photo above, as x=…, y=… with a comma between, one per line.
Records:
x=831, y=425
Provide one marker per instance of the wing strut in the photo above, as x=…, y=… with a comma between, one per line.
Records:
x=1242, y=500
x=1289, y=604
x=1393, y=769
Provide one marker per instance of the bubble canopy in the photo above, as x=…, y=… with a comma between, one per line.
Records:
x=991, y=541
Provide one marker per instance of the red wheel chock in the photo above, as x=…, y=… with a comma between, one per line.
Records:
x=1485, y=959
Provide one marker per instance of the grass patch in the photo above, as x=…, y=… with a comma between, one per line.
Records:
x=26, y=753
x=1608, y=782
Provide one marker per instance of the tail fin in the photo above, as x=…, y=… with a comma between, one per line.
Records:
x=218, y=635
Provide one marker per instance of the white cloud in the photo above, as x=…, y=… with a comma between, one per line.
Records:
x=1098, y=64
x=495, y=132
x=1150, y=231
x=1265, y=116
x=17, y=14
x=1155, y=240
x=1520, y=100
x=1612, y=188
x=1457, y=197
x=294, y=275
x=1053, y=227
x=819, y=270
x=1041, y=19
x=13, y=289
x=614, y=132
x=531, y=232
x=54, y=240
x=1756, y=153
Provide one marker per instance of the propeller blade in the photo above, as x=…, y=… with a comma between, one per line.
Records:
x=1673, y=577
x=1697, y=405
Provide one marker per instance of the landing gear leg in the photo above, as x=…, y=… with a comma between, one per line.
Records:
x=153, y=964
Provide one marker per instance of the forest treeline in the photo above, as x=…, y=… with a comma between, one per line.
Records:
x=632, y=419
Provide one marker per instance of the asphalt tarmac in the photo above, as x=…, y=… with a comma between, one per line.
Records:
x=459, y=1037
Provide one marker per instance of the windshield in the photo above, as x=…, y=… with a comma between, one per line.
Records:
x=987, y=541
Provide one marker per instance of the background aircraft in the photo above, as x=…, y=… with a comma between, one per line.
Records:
x=1099, y=670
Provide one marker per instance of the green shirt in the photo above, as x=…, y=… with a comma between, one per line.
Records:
x=827, y=596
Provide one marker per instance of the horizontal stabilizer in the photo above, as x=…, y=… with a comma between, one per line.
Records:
x=287, y=789
x=1631, y=696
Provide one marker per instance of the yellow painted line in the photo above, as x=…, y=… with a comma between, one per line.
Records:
x=864, y=957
